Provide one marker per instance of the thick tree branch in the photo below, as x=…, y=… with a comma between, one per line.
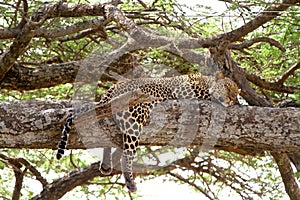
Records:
x=27, y=78
x=38, y=125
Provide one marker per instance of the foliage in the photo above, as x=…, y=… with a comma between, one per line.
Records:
x=169, y=18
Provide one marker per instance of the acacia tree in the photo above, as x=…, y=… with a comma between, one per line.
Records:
x=45, y=46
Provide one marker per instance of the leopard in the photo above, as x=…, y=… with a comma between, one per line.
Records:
x=133, y=118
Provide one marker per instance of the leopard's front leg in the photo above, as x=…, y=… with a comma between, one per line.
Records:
x=131, y=122
x=127, y=161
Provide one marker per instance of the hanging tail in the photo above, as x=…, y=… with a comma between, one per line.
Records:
x=64, y=136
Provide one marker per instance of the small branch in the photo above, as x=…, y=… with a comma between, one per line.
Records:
x=61, y=186
x=288, y=73
x=287, y=174
x=19, y=176
x=143, y=4
x=12, y=162
x=58, y=32
x=84, y=34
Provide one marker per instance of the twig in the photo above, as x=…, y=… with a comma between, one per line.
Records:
x=191, y=184
x=72, y=161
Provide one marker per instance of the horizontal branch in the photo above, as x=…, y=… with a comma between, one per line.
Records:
x=38, y=124
x=28, y=78
x=63, y=185
x=59, y=187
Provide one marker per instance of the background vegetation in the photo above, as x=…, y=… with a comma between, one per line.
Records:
x=268, y=57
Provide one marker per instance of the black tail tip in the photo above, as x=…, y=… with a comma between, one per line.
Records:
x=131, y=186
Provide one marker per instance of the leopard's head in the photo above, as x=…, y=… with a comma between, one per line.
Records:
x=223, y=90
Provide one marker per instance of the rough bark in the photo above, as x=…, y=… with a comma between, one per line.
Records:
x=37, y=124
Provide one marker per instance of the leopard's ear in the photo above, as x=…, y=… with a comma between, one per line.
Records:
x=219, y=75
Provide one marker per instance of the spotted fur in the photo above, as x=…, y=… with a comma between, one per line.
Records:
x=131, y=120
